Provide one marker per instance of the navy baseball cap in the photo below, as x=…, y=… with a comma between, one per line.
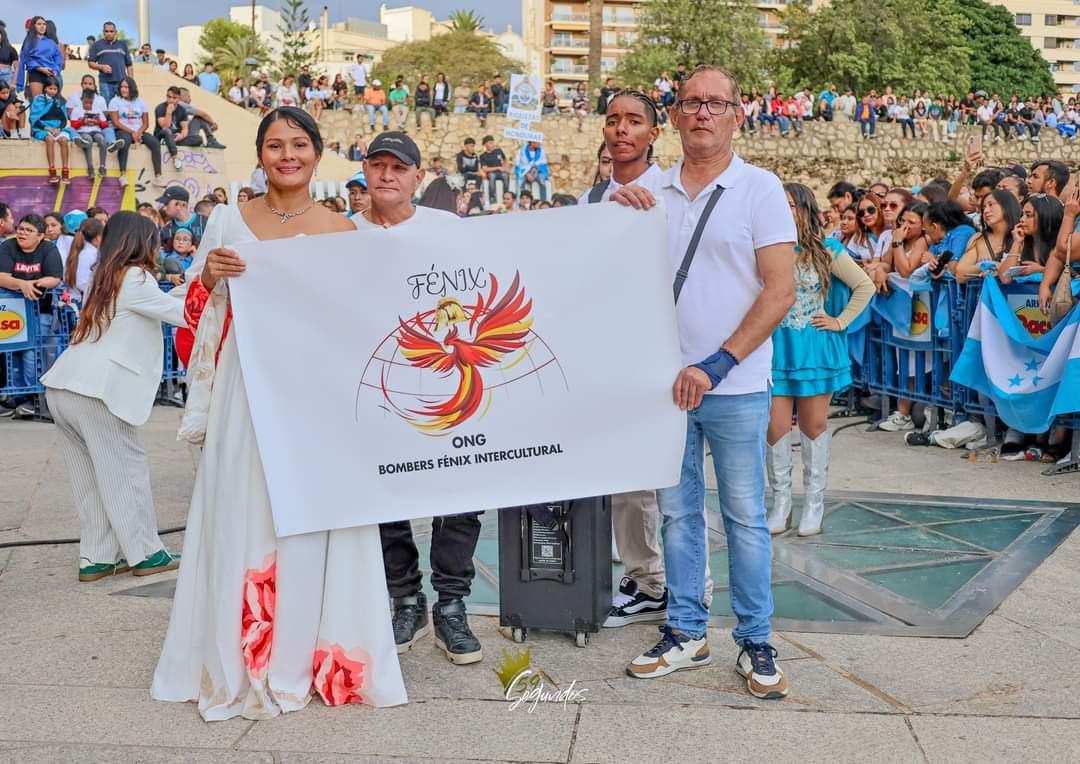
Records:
x=174, y=194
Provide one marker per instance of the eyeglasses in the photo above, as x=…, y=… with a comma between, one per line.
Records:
x=871, y=210
x=717, y=107
x=892, y=206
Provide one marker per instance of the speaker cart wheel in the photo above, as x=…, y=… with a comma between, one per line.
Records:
x=519, y=633
x=581, y=639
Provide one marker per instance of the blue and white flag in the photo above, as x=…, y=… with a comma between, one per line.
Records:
x=1030, y=379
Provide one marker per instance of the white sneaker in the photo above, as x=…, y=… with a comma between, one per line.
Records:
x=897, y=422
x=123, y=180
x=177, y=164
x=673, y=652
x=158, y=182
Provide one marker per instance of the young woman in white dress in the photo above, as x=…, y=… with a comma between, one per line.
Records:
x=260, y=623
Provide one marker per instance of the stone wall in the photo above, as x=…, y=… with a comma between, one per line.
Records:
x=825, y=153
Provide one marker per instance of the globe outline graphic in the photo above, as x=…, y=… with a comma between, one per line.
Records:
x=401, y=388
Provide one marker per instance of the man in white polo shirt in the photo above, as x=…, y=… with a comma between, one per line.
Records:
x=731, y=239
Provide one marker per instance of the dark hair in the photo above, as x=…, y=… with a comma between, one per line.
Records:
x=298, y=118
x=31, y=39
x=133, y=89
x=948, y=214
x=5, y=210
x=129, y=240
x=1049, y=212
x=839, y=189
x=933, y=193
x=92, y=211
x=173, y=90
x=51, y=81
x=919, y=208
x=646, y=100
x=469, y=140
x=89, y=230
x=50, y=31
x=55, y=216
x=1057, y=170
x=564, y=200
x=487, y=138
x=89, y=94
x=439, y=196
x=988, y=178
x=35, y=220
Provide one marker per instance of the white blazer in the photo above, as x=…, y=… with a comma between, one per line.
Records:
x=123, y=367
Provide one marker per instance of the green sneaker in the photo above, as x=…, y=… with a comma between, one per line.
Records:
x=159, y=562
x=96, y=570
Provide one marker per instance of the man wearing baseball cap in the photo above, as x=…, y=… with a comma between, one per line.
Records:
x=375, y=100
x=393, y=174
x=174, y=210
x=359, y=201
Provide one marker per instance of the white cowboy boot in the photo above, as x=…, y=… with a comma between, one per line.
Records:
x=815, y=456
x=778, y=469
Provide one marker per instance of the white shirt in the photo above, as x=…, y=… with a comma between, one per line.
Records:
x=882, y=245
x=79, y=113
x=75, y=99
x=664, y=85
x=287, y=96
x=724, y=280
x=88, y=258
x=985, y=114
x=358, y=72
x=236, y=95
x=420, y=216
x=130, y=113
x=651, y=180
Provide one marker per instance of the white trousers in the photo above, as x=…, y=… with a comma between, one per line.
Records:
x=110, y=480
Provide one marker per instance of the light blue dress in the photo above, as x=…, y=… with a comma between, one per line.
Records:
x=809, y=361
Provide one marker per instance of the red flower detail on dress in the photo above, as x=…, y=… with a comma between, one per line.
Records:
x=339, y=676
x=257, y=618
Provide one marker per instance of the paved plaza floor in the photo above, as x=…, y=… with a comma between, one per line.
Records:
x=76, y=659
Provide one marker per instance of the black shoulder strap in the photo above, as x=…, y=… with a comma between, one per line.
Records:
x=691, y=249
x=596, y=193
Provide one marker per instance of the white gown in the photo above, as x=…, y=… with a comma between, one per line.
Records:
x=259, y=622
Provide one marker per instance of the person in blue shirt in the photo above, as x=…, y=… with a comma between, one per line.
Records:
x=40, y=59
x=109, y=57
x=49, y=123
x=208, y=79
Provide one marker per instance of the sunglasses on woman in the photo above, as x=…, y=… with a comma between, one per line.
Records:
x=868, y=211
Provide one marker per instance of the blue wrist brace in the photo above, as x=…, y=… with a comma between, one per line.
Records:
x=717, y=366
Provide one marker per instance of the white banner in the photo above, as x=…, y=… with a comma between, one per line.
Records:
x=524, y=98
x=458, y=365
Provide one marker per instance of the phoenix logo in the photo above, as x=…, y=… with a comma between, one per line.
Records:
x=497, y=325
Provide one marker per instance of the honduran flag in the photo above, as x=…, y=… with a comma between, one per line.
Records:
x=1030, y=379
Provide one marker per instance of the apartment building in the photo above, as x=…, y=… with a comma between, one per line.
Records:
x=556, y=36
x=1053, y=27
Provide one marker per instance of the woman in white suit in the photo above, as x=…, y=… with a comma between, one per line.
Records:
x=103, y=387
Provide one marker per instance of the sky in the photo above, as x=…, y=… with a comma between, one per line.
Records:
x=75, y=19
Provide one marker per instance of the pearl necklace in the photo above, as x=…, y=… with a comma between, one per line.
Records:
x=286, y=215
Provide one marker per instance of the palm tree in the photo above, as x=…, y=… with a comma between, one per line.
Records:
x=465, y=21
x=229, y=58
x=596, y=28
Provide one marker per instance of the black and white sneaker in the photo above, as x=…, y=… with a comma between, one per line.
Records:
x=410, y=620
x=631, y=605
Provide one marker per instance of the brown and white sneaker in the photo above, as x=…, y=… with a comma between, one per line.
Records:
x=764, y=679
x=673, y=652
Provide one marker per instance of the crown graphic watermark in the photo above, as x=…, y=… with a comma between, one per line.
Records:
x=522, y=684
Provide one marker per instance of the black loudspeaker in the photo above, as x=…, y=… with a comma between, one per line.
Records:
x=555, y=567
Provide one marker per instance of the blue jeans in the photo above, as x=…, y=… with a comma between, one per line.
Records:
x=371, y=109
x=26, y=361
x=107, y=89
x=735, y=428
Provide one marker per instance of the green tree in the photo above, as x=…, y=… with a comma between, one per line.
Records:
x=723, y=32
x=217, y=33
x=863, y=44
x=228, y=45
x=1002, y=60
x=456, y=54
x=296, y=48
x=465, y=21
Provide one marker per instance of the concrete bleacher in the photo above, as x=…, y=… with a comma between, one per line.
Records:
x=24, y=170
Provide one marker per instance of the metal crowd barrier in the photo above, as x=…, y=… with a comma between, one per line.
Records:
x=898, y=367
x=23, y=341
